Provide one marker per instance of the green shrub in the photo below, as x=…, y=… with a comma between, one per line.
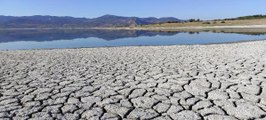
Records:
x=206, y=23
x=191, y=20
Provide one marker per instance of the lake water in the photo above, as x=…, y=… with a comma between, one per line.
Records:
x=47, y=39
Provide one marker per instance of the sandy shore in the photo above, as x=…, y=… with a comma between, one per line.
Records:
x=147, y=28
x=190, y=28
x=225, y=81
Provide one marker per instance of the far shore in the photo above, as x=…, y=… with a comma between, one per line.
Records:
x=186, y=28
x=148, y=28
x=250, y=29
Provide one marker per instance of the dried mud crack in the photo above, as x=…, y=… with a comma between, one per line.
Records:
x=214, y=82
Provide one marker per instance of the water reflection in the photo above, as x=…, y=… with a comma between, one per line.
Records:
x=50, y=35
x=42, y=39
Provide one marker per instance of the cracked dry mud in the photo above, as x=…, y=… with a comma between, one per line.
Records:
x=226, y=81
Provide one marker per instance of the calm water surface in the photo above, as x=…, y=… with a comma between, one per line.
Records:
x=14, y=40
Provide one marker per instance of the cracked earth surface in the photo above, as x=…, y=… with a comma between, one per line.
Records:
x=226, y=81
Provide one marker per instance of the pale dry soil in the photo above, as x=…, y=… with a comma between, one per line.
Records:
x=213, y=82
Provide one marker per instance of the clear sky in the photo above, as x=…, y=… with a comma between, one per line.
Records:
x=183, y=9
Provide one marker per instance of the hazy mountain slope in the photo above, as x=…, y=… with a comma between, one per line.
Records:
x=54, y=21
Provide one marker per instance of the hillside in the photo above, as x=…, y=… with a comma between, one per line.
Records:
x=238, y=21
x=232, y=22
x=70, y=22
x=250, y=17
x=120, y=21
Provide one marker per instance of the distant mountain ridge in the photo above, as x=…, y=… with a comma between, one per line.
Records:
x=39, y=21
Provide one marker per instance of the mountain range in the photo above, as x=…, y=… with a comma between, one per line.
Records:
x=39, y=21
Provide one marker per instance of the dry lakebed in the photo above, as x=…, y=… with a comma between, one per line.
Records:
x=186, y=82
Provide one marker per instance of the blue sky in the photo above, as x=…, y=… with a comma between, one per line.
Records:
x=184, y=9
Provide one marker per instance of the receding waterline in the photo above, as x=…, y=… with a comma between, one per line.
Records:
x=80, y=39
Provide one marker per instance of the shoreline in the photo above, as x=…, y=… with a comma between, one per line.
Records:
x=148, y=28
x=207, y=44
